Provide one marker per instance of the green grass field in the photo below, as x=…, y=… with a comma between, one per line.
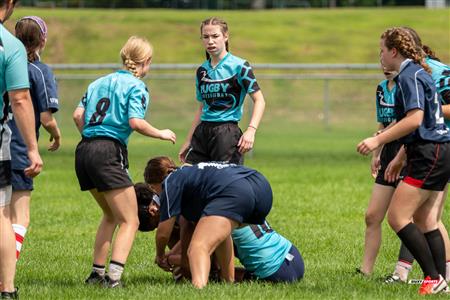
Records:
x=271, y=36
x=321, y=185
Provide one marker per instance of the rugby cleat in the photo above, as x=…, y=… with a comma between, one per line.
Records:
x=437, y=286
x=10, y=295
x=111, y=284
x=95, y=278
x=393, y=278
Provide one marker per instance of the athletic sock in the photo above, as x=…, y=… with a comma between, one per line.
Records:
x=115, y=270
x=100, y=270
x=437, y=248
x=405, y=255
x=417, y=244
x=402, y=269
x=20, y=232
x=447, y=271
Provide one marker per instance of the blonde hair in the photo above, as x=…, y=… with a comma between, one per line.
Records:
x=136, y=51
x=402, y=40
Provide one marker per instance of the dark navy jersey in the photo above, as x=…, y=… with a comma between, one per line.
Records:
x=222, y=89
x=385, y=103
x=416, y=90
x=190, y=188
x=44, y=95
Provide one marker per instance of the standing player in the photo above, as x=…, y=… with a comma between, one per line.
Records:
x=382, y=190
x=222, y=83
x=441, y=76
x=112, y=108
x=32, y=32
x=218, y=197
x=421, y=128
x=14, y=87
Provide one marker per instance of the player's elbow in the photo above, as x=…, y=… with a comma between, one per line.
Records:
x=135, y=124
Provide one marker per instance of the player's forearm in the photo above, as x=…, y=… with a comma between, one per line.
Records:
x=78, y=118
x=144, y=128
x=402, y=128
x=258, y=109
x=24, y=116
x=161, y=243
x=195, y=123
x=51, y=126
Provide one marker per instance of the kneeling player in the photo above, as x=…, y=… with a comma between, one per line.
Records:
x=266, y=254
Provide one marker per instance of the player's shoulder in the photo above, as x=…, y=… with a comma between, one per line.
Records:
x=236, y=60
x=40, y=69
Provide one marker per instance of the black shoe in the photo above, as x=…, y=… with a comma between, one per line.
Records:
x=393, y=278
x=10, y=295
x=95, y=278
x=358, y=272
x=112, y=284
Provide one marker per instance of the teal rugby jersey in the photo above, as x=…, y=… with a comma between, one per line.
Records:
x=385, y=103
x=222, y=89
x=14, y=70
x=110, y=102
x=260, y=249
x=441, y=76
x=13, y=76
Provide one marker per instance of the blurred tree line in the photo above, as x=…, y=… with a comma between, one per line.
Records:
x=216, y=4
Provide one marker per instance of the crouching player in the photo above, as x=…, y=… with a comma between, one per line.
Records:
x=266, y=254
x=219, y=198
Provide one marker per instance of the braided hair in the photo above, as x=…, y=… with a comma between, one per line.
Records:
x=400, y=39
x=136, y=51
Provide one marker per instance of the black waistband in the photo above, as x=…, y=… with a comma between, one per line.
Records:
x=100, y=138
x=219, y=123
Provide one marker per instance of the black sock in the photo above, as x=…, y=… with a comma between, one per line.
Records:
x=417, y=244
x=437, y=247
x=405, y=255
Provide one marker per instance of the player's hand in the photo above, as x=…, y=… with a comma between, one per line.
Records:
x=168, y=135
x=375, y=166
x=36, y=164
x=55, y=142
x=246, y=141
x=163, y=263
x=393, y=170
x=183, y=151
x=368, y=145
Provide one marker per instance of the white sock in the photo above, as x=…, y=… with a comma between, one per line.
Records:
x=447, y=271
x=20, y=232
x=402, y=269
x=115, y=270
x=100, y=270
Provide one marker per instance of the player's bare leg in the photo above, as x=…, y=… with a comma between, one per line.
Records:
x=209, y=233
x=7, y=251
x=376, y=211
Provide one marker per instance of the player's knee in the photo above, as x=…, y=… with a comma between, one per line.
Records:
x=395, y=220
x=373, y=219
x=196, y=248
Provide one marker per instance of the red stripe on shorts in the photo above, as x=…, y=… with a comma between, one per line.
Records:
x=414, y=182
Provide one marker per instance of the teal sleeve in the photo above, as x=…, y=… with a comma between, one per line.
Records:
x=16, y=73
x=138, y=102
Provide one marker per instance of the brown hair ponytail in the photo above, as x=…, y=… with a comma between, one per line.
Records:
x=158, y=168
